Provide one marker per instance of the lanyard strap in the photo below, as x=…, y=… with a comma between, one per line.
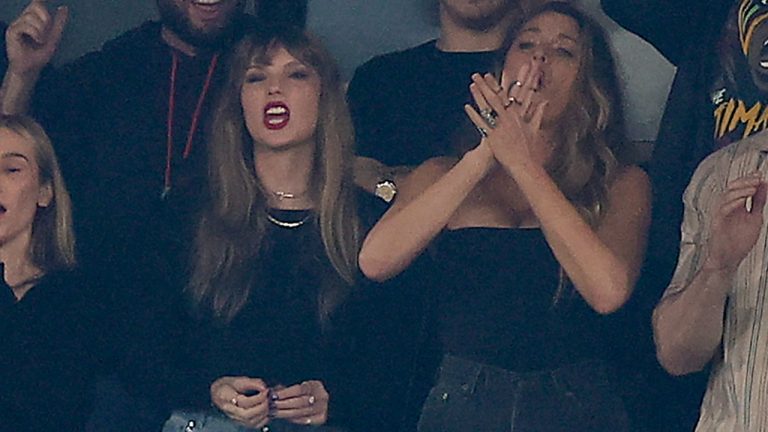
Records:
x=195, y=116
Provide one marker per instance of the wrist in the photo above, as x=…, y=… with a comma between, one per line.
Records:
x=480, y=157
x=22, y=76
x=15, y=92
x=524, y=170
x=385, y=187
x=719, y=268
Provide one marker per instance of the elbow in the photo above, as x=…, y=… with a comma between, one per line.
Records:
x=674, y=361
x=614, y=297
x=373, y=267
x=608, y=306
x=673, y=354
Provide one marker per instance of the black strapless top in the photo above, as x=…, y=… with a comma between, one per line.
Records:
x=496, y=301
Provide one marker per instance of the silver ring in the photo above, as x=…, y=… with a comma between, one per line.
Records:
x=233, y=401
x=311, y=399
x=483, y=131
x=489, y=116
x=309, y=421
x=517, y=83
x=513, y=100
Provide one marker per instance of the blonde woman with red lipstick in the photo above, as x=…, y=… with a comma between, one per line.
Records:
x=535, y=233
x=276, y=248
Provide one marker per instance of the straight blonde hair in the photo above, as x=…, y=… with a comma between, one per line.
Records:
x=52, y=245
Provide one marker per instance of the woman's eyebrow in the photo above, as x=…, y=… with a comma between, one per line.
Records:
x=9, y=155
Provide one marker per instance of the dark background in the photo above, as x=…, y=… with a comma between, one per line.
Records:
x=355, y=30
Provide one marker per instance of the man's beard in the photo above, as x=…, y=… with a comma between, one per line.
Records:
x=481, y=22
x=175, y=20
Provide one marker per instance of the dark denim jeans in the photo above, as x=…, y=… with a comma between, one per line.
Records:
x=471, y=396
x=214, y=421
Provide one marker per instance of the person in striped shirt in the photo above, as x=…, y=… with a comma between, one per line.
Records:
x=715, y=310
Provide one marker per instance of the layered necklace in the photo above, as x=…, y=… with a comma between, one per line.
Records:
x=290, y=224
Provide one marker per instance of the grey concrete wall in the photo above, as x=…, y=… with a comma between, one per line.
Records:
x=355, y=30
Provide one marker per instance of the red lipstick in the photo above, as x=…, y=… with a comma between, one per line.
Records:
x=276, y=115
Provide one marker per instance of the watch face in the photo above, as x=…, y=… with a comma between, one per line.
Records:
x=386, y=190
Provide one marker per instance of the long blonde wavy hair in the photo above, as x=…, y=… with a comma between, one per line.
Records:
x=589, y=142
x=589, y=138
x=230, y=235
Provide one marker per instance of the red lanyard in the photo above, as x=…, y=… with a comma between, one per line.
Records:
x=195, y=116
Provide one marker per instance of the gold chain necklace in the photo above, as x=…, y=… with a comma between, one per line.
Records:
x=284, y=224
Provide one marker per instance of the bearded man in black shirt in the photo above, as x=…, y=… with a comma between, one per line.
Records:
x=408, y=105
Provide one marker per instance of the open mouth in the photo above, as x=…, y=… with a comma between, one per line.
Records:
x=764, y=55
x=538, y=82
x=208, y=9
x=276, y=115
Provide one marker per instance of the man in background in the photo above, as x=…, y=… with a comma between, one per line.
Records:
x=407, y=107
x=129, y=124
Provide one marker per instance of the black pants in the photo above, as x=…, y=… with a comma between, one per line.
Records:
x=471, y=396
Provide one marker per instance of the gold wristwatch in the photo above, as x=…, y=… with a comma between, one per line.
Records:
x=386, y=190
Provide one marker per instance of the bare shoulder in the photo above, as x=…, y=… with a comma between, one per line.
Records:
x=630, y=194
x=628, y=212
x=631, y=183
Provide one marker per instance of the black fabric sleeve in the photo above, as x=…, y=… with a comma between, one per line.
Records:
x=364, y=105
x=3, y=53
x=281, y=13
x=63, y=102
x=7, y=298
x=670, y=26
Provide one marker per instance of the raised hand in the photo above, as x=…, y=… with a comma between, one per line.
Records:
x=510, y=117
x=244, y=400
x=737, y=222
x=33, y=37
x=305, y=403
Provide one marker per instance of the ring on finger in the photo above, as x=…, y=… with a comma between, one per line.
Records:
x=483, y=131
x=517, y=83
x=311, y=400
x=489, y=116
x=514, y=100
x=233, y=401
x=309, y=421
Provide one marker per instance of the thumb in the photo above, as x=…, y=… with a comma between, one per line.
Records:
x=759, y=198
x=538, y=115
x=245, y=385
x=57, y=27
